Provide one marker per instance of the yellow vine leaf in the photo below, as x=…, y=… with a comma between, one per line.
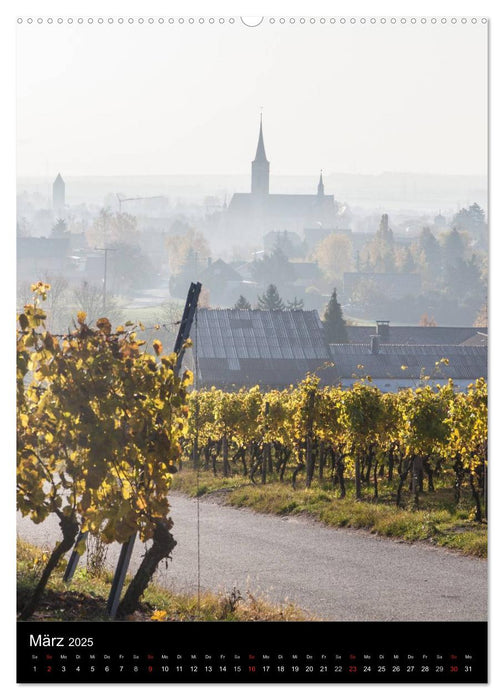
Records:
x=159, y=615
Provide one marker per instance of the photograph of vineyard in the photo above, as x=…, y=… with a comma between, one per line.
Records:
x=212, y=422
x=107, y=428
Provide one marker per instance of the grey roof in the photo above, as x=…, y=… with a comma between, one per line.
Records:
x=269, y=348
x=220, y=271
x=276, y=348
x=479, y=338
x=409, y=361
x=416, y=335
x=40, y=247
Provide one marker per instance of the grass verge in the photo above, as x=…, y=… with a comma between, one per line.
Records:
x=436, y=521
x=85, y=598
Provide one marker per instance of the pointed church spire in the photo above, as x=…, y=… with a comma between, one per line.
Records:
x=320, y=188
x=260, y=151
x=260, y=168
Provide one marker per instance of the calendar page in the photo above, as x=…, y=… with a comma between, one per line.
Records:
x=252, y=269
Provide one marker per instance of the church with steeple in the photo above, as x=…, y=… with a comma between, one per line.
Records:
x=259, y=211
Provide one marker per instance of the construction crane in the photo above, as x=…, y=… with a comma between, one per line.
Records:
x=132, y=199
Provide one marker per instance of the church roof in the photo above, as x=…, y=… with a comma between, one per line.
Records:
x=295, y=203
x=280, y=204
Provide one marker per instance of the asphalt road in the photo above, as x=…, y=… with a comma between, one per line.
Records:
x=333, y=574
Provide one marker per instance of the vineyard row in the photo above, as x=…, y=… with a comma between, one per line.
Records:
x=412, y=437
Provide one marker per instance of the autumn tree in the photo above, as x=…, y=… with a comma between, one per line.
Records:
x=404, y=260
x=110, y=229
x=334, y=256
x=187, y=250
x=128, y=267
x=427, y=321
x=88, y=297
x=382, y=248
x=481, y=320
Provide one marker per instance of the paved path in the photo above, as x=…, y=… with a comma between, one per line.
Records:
x=335, y=574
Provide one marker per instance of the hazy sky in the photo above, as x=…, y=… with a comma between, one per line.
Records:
x=164, y=99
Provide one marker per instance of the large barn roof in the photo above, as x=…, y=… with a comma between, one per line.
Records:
x=269, y=348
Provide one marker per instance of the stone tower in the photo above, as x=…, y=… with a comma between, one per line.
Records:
x=58, y=194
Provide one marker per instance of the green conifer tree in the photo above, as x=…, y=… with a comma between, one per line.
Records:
x=295, y=305
x=270, y=300
x=242, y=304
x=334, y=324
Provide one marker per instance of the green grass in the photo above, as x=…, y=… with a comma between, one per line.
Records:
x=85, y=598
x=436, y=521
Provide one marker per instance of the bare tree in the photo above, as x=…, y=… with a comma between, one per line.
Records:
x=89, y=298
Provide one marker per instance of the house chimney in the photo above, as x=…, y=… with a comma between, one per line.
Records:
x=375, y=344
x=383, y=330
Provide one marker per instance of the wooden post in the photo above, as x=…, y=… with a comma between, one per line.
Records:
x=119, y=576
x=264, y=469
x=309, y=441
x=414, y=479
x=225, y=453
x=358, y=491
x=74, y=558
x=309, y=461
